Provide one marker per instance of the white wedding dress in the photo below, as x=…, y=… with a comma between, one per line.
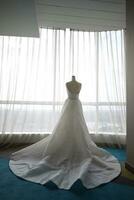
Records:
x=67, y=155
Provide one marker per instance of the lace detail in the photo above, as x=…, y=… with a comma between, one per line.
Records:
x=72, y=95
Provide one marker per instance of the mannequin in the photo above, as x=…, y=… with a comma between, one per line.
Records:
x=73, y=85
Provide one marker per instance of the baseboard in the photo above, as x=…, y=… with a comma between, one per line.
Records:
x=129, y=167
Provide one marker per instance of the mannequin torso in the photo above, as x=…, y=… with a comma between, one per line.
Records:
x=73, y=86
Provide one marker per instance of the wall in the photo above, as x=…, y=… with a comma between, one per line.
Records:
x=130, y=80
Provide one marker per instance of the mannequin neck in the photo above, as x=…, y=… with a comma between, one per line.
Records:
x=73, y=78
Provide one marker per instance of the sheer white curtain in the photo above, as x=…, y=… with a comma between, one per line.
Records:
x=33, y=73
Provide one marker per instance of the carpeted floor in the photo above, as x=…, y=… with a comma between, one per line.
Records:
x=14, y=188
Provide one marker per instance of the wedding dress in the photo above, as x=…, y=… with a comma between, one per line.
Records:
x=67, y=155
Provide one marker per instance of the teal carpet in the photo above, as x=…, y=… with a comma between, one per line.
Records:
x=14, y=188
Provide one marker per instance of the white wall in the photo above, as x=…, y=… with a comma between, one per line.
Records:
x=130, y=80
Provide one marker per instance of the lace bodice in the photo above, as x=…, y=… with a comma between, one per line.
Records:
x=72, y=95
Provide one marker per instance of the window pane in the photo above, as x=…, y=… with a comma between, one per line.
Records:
x=90, y=117
x=111, y=68
x=111, y=119
x=28, y=118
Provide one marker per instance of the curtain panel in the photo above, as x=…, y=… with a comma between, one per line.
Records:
x=33, y=73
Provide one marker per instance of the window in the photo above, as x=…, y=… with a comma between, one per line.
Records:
x=33, y=73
